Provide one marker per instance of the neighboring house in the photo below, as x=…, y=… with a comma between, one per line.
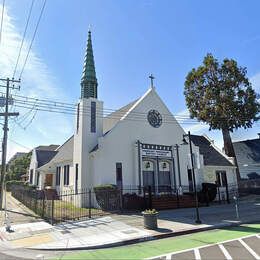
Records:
x=133, y=146
x=59, y=167
x=248, y=157
x=217, y=167
x=40, y=156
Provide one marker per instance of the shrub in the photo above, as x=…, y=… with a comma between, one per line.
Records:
x=208, y=192
x=107, y=196
x=105, y=187
x=13, y=183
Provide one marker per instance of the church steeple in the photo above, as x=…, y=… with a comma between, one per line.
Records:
x=89, y=81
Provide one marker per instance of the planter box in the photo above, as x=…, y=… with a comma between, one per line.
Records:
x=150, y=220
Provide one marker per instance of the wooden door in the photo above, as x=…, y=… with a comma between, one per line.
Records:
x=48, y=180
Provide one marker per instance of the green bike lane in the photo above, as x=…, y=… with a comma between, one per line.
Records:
x=168, y=245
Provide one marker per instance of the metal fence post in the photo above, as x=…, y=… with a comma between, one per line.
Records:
x=227, y=193
x=219, y=198
x=89, y=203
x=121, y=199
x=35, y=202
x=150, y=197
x=43, y=205
x=52, y=209
x=178, y=198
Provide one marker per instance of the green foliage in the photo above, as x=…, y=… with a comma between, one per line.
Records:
x=18, y=167
x=221, y=95
x=150, y=211
x=105, y=187
x=9, y=184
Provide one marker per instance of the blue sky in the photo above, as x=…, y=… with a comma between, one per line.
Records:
x=131, y=39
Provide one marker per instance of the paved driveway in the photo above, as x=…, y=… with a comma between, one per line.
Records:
x=242, y=248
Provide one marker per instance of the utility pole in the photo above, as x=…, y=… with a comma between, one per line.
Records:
x=6, y=115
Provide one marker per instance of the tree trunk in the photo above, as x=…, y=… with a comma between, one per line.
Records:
x=229, y=150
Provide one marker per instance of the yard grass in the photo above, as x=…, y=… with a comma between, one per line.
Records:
x=67, y=210
x=167, y=245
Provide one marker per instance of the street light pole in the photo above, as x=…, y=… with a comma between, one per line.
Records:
x=198, y=221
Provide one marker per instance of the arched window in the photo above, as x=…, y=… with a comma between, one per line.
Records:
x=148, y=174
x=164, y=178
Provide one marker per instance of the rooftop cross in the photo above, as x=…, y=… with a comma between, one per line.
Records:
x=152, y=78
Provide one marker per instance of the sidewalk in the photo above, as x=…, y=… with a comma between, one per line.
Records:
x=123, y=229
x=17, y=212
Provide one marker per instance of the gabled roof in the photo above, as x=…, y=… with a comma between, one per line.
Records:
x=248, y=151
x=111, y=119
x=44, y=157
x=51, y=147
x=211, y=155
x=63, y=153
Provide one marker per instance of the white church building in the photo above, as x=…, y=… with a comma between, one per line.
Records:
x=137, y=145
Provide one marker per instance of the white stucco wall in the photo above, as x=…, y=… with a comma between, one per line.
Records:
x=85, y=140
x=119, y=145
x=33, y=166
x=210, y=174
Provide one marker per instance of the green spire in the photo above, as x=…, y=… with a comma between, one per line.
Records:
x=89, y=81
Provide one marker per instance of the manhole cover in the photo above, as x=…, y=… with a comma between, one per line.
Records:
x=130, y=231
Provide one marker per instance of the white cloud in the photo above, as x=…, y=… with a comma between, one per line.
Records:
x=37, y=81
x=183, y=113
x=255, y=80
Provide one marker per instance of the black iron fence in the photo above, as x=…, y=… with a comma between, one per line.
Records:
x=55, y=206
x=249, y=187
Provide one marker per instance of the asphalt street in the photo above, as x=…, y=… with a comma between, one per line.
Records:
x=242, y=248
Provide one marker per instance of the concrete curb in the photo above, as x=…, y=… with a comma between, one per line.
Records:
x=145, y=239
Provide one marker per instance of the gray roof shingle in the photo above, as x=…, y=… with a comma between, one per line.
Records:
x=248, y=151
x=211, y=156
x=51, y=147
x=44, y=156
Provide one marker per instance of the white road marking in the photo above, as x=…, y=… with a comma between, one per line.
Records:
x=197, y=254
x=200, y=247
x=225, y=252
x=249, y=249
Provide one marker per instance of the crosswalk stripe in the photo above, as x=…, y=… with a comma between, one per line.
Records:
x=225, y=252
x=197, y=254
x=249, y=249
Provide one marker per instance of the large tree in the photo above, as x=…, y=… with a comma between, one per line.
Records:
x=221, y=95
x=18, y=167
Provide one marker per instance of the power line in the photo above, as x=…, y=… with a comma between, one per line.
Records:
x=24, y=34
x=2, y=19
x=58, y=105
x=72, y=107
x=100, y=113
x=34, y=34
x=20, y=144
x=117, y=118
